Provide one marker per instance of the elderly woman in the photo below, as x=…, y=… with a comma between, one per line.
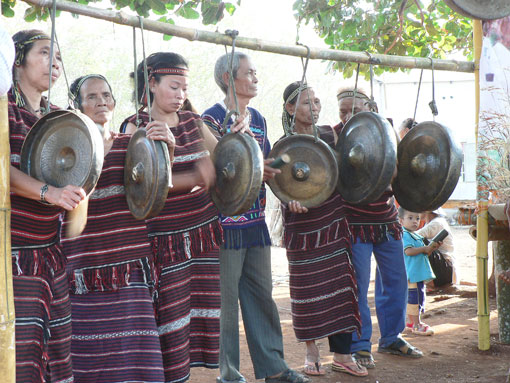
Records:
x=110, y=267
x=43, y=310
x=322, y=283
x=186, y=234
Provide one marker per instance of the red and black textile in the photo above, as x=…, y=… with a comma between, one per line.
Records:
x=185, y=237
x=113, y=242
x=111, y=279
x=321, y=276
x=41, y=299
x=115, y=337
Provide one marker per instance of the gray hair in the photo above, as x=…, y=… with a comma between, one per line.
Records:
x=221, y=67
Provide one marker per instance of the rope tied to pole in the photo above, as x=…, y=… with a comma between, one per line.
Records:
x=432, y=104
x=231, y=81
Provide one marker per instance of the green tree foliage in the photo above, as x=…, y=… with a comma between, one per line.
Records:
x=399, y=27
x=211, y=11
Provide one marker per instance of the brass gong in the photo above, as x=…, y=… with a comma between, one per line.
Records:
x=367, y=157
x=239, y=168
x=429, y=165
x=64, y=148
x=146, y=175
x=312, y=173
x=481, y=9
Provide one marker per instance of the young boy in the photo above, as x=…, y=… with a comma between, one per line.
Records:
x=418, y=269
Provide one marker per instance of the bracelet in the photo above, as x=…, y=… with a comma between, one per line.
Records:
x=44, y=189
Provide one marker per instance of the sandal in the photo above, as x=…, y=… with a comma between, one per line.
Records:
x=313, y=368
x=402, y=348
x=289, y=376
x=423, y=329
x=351, y=368
x=364, y=358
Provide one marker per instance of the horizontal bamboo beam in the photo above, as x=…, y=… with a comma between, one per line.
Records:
x=191, y=34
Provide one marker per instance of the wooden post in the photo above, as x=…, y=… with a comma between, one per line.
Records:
x=258, y=44
x=7, y=318
x=482, y=223
x=502, y=263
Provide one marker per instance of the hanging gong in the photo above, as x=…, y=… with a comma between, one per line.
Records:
x=429, y=165
x=481, y=9
x=239, y=168
x=64, y=148
x=146, y=175
x=311, y=174
x=367, y=155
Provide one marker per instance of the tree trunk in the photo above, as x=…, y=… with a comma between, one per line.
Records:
x=502, y=263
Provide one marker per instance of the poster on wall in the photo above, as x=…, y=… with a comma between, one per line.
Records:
x=494, y=123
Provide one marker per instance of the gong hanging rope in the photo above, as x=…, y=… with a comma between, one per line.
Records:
x=135, y=77
x=371, y=104
x=231, y=83
x=145, y=72
x=52, y=47
x=417, y=96
x=432, y=104
x=355, y=90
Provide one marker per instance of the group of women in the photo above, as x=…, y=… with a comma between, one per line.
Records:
x=130, y=300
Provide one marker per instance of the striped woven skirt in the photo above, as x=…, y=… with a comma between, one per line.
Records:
x=43, y=325
x=188, y=314
x=322, y=291
x=115, y=338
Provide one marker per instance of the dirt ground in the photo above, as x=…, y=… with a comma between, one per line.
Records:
x=451, y=354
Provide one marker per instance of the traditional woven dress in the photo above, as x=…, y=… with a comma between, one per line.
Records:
x=322, y=283
x=41, y=299
x=185, y=238
x=115, y=337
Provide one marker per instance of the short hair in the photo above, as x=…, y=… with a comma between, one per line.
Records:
x=75, y=88
x=155, y=61
x=221, y=67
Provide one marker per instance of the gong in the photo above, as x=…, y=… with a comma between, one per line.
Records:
x=64, y=148
x=146, y=175
x=429, y=165
x=481, y=9
x=311, y=174
x=367, y=156
x=239, y=168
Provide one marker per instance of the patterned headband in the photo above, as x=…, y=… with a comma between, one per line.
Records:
x=22, y=45
x=351, y=93
x=171, y=70
x=296, y=91
x=177, y=71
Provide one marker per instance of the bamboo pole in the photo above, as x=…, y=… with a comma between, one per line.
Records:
x=191, y=34
x=7, y=318
x=482, y=222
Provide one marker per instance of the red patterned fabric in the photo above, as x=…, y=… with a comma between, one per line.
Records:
x=322, y=282
x=185, y=242
x=110, y=267
x=43, y=310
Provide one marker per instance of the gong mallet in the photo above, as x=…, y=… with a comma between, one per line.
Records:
x=280, y=161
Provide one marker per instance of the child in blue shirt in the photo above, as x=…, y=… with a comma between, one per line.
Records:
x=418, y=270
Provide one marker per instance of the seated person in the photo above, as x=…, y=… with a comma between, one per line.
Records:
x=435, y=221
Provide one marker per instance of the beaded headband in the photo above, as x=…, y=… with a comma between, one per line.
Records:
x=22, y=45
x=351, y=93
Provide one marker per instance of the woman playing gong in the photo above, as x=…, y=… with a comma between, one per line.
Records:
x=43, y=310
x=322, y=283
x=186, y=234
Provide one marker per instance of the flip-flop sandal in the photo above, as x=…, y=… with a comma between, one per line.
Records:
x=351, y=368
x=402, y=348
x=364, y=358
x=313, y=368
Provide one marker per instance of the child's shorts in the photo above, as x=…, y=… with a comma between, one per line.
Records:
x=416, y=298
